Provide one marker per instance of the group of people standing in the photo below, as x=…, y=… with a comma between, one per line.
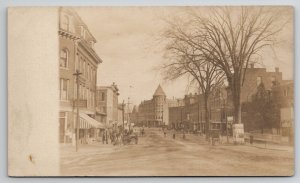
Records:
x=115, y=137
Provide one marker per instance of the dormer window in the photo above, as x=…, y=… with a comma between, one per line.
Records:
x=65, y=22
x=92, y=44
x=82, y=32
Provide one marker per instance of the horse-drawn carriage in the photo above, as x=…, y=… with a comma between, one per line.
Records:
x=130, y=137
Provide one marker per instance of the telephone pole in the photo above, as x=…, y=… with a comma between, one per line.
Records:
x=77, y=74
x=123, y=115
x=128, y=117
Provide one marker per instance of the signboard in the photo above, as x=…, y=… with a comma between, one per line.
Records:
x=238, y=133
x=229, y=119
x=80, y=103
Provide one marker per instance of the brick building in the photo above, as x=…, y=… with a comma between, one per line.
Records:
x=154, y=112
x=191, y=114
x=107, y=104
x=283, y=95
x=255, y=76
x=76, y=53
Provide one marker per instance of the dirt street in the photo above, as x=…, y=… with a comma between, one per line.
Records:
x=156, y=155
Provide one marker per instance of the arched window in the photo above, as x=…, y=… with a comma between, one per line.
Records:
x=65, y=23
x=64, y=56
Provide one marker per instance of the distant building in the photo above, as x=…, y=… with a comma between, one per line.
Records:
x=283, y=95
x=154, y=112
x=76, y=53
x=280, y=91
x=176, y=114
x=190, y=112
x=107, y=104
x=190, y=115
x=134, y=115
x=255, y=76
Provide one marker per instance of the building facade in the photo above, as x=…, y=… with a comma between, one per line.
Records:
x=76, y=53
x=254, y=77
x=191, y=114
x=154, y=112
x=107, y=104
x=283, y=95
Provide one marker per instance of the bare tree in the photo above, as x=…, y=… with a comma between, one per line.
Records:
x=230, y=38
x=187, y=60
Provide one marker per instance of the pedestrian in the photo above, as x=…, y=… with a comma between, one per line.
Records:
x=165, y=133
x=174, y=135
x=103, y=137
x=106, y=137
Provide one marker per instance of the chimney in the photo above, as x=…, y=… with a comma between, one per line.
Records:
x=276, y=69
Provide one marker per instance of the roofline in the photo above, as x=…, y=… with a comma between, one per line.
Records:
x=72, y=10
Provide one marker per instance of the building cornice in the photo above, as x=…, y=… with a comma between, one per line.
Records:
x=90, y=51
x=68, y=35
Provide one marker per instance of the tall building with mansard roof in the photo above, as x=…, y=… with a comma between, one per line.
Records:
x=76, y=51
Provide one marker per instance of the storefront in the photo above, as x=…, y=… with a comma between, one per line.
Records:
x=89, y=129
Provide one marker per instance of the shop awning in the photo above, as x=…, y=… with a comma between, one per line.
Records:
x=87, y=122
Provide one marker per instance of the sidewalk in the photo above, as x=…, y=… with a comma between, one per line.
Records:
x=68, y=150
x=198, y=139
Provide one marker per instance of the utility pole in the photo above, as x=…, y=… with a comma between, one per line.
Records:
x=123, y=105
x=77, y=74
x=128, y=117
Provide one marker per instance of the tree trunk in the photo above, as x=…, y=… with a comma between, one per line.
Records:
x=206, y=116
x=236, y=98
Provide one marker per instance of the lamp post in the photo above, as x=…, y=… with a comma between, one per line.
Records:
x=77, y=74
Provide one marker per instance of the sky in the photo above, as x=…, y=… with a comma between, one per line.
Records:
x=129, y=43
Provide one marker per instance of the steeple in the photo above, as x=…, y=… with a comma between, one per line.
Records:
x=159, y=91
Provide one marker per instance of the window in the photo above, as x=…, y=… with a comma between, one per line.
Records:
x=285, y=92
x=64, y=54
x=82, y=31
x=88, y=71
x=258, y=80
x=80, y=91
x=273, y=80
x=76, y=63
x=65, y=23
x=64, y=84
x=103, y=96
x=75, y=89
x=80, y=64
x=83, y=71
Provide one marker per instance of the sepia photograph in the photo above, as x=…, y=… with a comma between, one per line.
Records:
x=153, y=91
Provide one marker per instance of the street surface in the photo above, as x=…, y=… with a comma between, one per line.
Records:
x=156, y=155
